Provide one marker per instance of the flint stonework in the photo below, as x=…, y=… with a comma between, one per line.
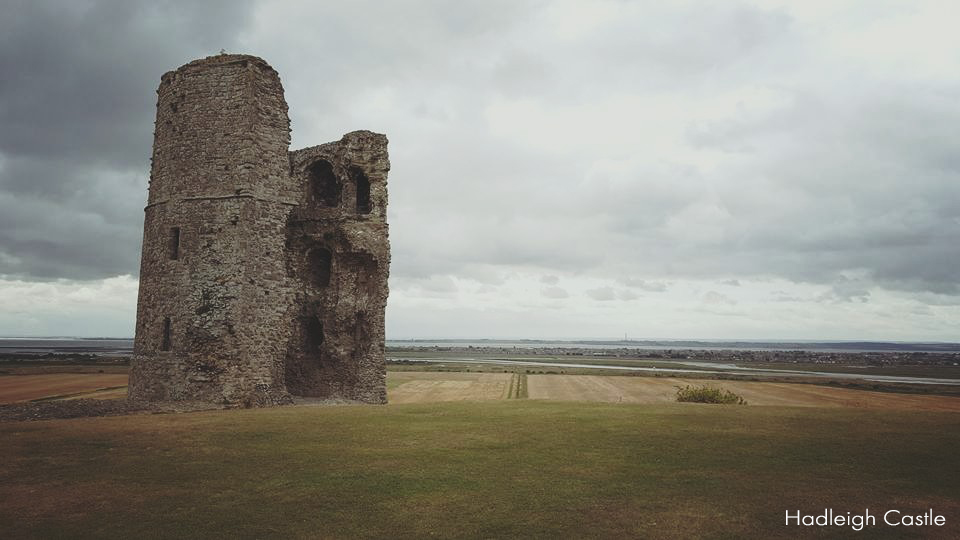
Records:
x=264, y=272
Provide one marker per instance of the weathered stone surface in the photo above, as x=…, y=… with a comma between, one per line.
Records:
x=264, y=272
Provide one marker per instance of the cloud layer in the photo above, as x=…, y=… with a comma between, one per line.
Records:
x=559, y=169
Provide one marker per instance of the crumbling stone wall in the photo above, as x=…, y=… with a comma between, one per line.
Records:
x=264, y=272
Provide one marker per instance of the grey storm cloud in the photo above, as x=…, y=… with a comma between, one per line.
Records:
x=76, y=121
x=842, y=172
x=868, y=183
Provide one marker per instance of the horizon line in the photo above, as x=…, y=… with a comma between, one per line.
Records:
x=568, y=339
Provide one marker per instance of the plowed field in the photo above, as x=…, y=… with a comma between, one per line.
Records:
x=14, y=388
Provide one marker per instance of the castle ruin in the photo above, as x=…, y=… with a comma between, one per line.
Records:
x=264, y=271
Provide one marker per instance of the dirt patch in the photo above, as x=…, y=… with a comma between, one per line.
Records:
x=78, y=408
x=424, y=386
x=74, y=408
x=105, y=393
x=18, y=388
x=614, y=389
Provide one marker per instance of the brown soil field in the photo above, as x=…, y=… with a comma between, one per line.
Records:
x=430, y=386
x=663, y=390
x=15, y=388
x=13, y=369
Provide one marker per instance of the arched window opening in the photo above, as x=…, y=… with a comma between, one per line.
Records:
x=324, y=186
x=363, y=190
x=312, y=335
x=321, y=262
x=165, y=339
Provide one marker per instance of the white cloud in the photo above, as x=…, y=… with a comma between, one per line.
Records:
x=713, y=297
x=104, y=307
x=554, y=292
x=602, y=294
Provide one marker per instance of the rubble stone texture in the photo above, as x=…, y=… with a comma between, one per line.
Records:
x=264, y=272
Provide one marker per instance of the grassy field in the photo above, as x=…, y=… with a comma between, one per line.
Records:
x=939, y=372
x=517, y=468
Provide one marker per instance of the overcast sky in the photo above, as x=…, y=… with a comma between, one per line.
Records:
x=740, y=170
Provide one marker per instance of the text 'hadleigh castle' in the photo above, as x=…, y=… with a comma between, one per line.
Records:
x=264, y=271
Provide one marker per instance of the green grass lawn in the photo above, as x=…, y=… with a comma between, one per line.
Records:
x=515, y=468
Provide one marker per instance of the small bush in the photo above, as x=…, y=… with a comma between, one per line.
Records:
x=707, y=394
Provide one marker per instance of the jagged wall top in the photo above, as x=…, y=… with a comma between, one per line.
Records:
x=220, y=59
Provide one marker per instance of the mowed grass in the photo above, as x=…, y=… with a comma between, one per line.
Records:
x=516, y=468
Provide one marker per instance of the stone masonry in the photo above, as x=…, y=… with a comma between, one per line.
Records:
x=264, y=271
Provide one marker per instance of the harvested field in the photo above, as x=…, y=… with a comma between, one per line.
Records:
x=614, y=389
x=16, y=388
x=429, y=386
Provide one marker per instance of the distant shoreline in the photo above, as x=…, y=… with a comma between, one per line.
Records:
x=851, y=346
x=98, y=345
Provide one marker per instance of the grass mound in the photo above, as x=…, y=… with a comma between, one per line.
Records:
x=708, y=394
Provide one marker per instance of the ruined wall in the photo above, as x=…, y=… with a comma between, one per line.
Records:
x=340, y=255
x=223, y=280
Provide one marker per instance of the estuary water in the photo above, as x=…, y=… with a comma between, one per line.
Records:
x=67, y=345
x=124, y=347
x=721, y=369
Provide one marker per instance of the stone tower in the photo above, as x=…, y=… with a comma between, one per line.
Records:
x=264, y=272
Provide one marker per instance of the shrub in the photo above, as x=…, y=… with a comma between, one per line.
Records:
x=707, y=394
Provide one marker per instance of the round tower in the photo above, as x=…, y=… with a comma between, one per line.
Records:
x=212, y=282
